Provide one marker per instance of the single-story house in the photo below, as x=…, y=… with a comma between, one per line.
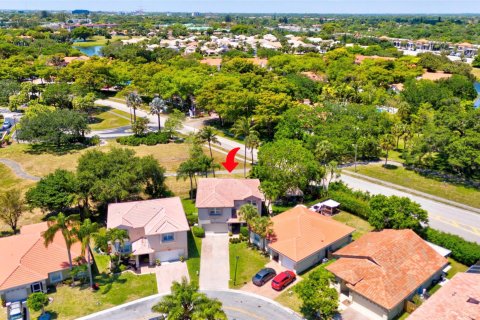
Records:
x=459, y=298
x=218, y=201
x=382, y=270
x=157, y=229
x=302, y=238
x=28, y=266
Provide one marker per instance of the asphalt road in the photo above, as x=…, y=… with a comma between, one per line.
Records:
x=442, y=216
x=237, y=305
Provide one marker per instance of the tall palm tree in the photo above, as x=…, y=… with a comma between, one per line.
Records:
x=387, y=143
x=157, y=106
x=85, y=233
x=186, y=303
x=263, y=227
x=66, y=225
x=209, y=134
x=134, y=101
x=117, y=236
x=252, y=141
x=248, y=213
x=243, y=127
x=187, y=170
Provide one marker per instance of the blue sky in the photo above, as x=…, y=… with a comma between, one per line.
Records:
x=267, y=6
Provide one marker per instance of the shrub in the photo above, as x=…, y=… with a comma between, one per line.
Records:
x=150, y=139
x=351, y=203
x=192, y=219
x=94, y=141
x=463, y=251
x=244, y=231
x=198, y=232
x=235, y=240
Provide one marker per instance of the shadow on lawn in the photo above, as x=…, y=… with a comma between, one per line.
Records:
x=390, y=166
x=106, y=281
x=37, y=149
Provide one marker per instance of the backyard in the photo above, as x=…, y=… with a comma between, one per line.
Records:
x=250, y=261
x=361, y=226
x=411, y=179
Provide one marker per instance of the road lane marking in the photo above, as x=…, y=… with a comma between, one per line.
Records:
x=244, y=312
x=456, y=224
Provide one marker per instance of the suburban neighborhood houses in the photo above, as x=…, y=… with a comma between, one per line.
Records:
x=213, y=164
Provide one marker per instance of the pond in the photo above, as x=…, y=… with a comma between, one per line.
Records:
x=477, y=87
x=90, y=50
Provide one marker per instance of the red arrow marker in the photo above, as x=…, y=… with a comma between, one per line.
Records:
x=230, y=163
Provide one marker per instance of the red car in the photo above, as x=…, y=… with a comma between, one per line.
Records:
x=283, y=279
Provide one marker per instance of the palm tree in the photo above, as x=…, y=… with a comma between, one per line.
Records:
x=117, y=236
x=252, y=141
x=263, y=227
x=209, y=134
x=134, y=101
x=248, y=213
x=84, y=233
x=66, y=225
x=243, y=127
x=387, y=143
x=157, y=106
x=186, y=303
x=187, y=170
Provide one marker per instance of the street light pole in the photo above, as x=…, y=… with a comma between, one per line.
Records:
x=235, y=276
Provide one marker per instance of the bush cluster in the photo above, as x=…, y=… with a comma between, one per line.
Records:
x=350, y=202
x=463, y=251
x=192, y=218
x=198, y=232
x=149, y=139
x=244, y=231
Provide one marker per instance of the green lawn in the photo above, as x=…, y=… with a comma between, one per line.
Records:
x=249, y=262
x=361, y=226
x=194, y=252
x=109, y=118
x=476, y=72
x=413, y=180
x=189, y=206
x=456, y=268
x=98, y=41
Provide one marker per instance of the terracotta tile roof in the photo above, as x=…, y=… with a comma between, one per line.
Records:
x=387, y=266
x=25, y=259
x=452, y=300
x=222, y=193
x=154, y=216
x=299, y=232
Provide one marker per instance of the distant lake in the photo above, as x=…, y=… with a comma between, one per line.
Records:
x=477, y=87
x=90, y=51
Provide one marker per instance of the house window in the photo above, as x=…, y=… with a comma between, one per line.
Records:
x=253, y=203
x=36, y=287
x=167, y=237
x=56, y=277
x=215, y=212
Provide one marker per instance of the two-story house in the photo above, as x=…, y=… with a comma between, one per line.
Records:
x=157, y=229
x=218, y=201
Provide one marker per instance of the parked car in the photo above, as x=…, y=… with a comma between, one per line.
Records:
x=263, y=276
x=283, y=279
x=15, y=310
x=6, y=124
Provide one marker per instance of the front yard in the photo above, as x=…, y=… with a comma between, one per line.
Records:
x=250, y=261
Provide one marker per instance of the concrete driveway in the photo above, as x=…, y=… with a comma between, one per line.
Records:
x=167, y=273
x=214, y=262
x=266, y=290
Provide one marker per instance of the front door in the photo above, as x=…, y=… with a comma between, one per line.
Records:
x=235, y=228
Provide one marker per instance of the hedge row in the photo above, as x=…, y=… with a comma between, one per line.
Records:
x=350, y=203
x=150, y=139
x=463, y=251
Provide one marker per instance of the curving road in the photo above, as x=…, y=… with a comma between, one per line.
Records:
x=237, y=305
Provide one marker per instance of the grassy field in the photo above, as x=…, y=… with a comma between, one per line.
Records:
x=413, y=180
x=109, y=118
x=249, y=262
x=476, y=73
x=193, y=261
x=98, y=41
x=359, y=224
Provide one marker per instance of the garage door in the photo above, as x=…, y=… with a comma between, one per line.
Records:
x=16, y=295
x=171, y=255
x=287, y=263
x=216, y=227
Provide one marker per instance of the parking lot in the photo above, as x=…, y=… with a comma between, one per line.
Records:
x=266, y=290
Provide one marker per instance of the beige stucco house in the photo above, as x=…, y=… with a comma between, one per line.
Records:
x=157, y=229
x=218, y=201
x=27, y=265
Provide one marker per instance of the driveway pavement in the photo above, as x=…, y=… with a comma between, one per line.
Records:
x=214, y=262
x=167, y=273
x=266, y=290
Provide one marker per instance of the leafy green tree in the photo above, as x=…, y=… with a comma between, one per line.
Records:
x=37, y=301
x=398, y=130
x=55, y=192
x=58, y=95
x=243, y=127
x=57, y=127
x=247, y=213
x=157, y=106
x=263, y=227
x=396, y=213
x=319, y=300
x=174, y=121
x=140, y=126
x=85, y=233
x=85, y=103
x=8, y=88
x=387, y=143
x=82, y=32
x=286, y=165
x=186, y=303
x=12, y=207
x=187, y=170
x=66, y=225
